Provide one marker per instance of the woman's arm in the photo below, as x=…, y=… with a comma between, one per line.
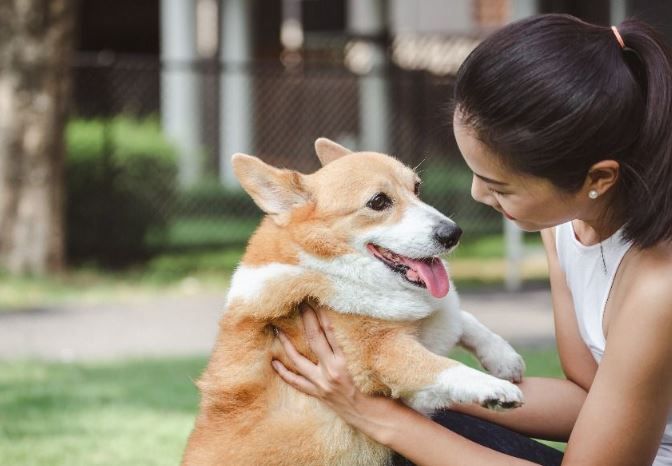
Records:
x=626, y=410
x=577, y=362
x=550, y=410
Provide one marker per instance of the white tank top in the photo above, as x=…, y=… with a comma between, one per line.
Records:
x=590, y=272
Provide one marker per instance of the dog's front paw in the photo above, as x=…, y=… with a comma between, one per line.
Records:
x=502, y=361
x=464, y=385
x=471, y=386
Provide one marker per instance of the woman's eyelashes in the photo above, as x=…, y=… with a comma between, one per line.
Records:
x=494, y=191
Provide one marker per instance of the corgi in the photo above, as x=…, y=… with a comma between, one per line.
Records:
x=355, y=237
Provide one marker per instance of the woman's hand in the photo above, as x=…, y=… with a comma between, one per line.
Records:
x=329, y=379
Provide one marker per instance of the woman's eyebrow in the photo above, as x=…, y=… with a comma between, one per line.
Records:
x=490, y=180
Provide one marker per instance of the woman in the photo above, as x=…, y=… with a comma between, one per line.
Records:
x=566, y=127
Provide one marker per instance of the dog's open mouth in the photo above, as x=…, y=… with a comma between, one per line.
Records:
x=426, y=272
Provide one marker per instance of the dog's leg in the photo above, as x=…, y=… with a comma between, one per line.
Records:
x=427, y=381
x=495, y=354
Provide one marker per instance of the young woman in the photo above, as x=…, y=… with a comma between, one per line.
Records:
x=567, y=127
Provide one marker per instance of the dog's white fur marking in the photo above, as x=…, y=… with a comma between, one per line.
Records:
x=412, y=236
x=247, y=283
x=441, y=331
x=363, y=285
x=464, y=385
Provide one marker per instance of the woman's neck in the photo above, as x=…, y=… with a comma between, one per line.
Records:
x=598, y=224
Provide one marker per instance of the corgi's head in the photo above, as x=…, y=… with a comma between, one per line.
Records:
x=363, y=205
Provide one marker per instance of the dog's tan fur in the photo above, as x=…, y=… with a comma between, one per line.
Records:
x=248, y=415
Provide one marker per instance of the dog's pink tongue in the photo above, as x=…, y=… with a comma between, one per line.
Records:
x=433, y=274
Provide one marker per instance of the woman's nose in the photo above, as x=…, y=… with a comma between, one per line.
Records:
x=481, y=193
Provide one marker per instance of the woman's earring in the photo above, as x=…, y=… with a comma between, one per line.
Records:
x=593, y=194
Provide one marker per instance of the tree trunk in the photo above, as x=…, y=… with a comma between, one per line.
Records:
x=36, y=39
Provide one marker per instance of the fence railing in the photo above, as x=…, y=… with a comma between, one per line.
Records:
x=115, y=128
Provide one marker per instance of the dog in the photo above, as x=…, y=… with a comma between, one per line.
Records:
x=353, y=236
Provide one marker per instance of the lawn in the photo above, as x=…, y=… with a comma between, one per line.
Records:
x=135, y=412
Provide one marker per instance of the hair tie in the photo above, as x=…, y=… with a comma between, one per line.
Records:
x=618, y=37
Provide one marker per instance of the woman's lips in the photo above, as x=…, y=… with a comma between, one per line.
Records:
x=503, y=212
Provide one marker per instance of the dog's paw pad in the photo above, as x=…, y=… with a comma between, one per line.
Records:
x=496, y=404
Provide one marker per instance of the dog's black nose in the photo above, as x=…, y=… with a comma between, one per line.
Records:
x=447, y=234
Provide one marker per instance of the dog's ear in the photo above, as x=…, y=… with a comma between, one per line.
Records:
x=276, y=191
x=328, y=151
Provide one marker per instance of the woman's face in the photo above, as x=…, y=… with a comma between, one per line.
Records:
x=531, y=202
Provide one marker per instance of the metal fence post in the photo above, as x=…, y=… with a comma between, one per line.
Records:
x=513, y=240
x=236, y=86
x=368, y=18
x=180, y=91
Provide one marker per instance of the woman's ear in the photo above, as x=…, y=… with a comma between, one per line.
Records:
x=603, y=176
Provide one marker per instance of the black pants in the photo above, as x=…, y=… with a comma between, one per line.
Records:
x=494, y=437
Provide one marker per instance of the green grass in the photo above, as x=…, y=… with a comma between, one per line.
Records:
x=91, y=285
x=134, y=412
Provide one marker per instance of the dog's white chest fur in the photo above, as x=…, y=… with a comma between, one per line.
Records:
x=363, y=287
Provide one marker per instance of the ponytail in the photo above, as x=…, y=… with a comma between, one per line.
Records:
x=647, y=174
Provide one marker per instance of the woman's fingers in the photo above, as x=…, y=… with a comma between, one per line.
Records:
x=295, y=380
x=329, y=332
x=304, y=365
x=315, y=335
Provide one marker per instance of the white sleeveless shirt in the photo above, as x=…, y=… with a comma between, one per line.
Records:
x=590, y=272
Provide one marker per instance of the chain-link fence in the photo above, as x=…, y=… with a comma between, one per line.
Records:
x=124, y=199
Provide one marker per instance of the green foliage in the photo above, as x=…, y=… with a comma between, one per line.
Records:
x=198, y=234
x=121, y=182
x=209, y=199
x=176, y=266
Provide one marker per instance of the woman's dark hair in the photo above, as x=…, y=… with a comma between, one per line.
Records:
x=553, y=95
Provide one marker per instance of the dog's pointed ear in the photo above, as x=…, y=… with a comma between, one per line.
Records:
x=276, y=191
x=328, y=151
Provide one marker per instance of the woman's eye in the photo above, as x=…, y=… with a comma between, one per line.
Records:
x=496, y=192
x=416, y=188
x=380, y=201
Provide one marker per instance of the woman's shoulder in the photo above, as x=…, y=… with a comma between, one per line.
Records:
x=650, y=276
x=653, y=263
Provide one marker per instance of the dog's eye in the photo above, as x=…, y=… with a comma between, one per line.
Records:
x=380, y=201
x=416, y=188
